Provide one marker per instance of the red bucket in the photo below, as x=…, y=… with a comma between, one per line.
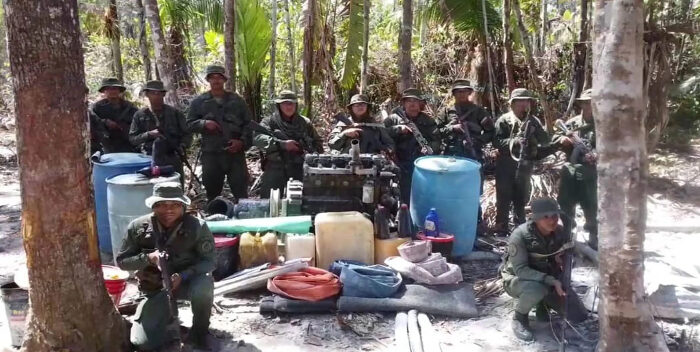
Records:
x=115, y=282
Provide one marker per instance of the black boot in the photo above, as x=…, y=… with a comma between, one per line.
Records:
x=542, y=312
x=521, y=327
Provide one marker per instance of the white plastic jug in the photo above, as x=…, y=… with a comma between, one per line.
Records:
x=301, y=246
x=343, y=235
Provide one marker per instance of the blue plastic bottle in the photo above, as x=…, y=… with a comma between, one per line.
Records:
x=431, y=224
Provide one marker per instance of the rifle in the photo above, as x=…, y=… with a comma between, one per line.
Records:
x=581, y=148
x=467, y=140
x=524, y=162
x=568, y=260
x=164, y=270
x=178, y=151
x=350, y=124
x=425, y=148
x=306, y=145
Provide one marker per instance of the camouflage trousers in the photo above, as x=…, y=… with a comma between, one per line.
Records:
x=577, y=185
x=531, y=293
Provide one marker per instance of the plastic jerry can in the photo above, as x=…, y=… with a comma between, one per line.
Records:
x=256, y=249
x=343, y=235
x=301, y=246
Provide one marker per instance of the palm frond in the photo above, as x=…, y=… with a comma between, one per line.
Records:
x=465, y=15
x=353, y=51
x=210, y=14
x=253, y=37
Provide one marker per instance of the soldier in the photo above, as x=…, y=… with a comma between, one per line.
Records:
x=223, y=119
x=533, y=268
x=294, y=135
x=371, y=134
x=465, y=129
x=114, y=114
x=190, y=258
x=454, y=123
x=414, y=133
x=578, y=177
x=513, y=176
x=161, y=127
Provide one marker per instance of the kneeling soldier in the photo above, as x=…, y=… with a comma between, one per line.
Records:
x=533, y=268
x=189, y=248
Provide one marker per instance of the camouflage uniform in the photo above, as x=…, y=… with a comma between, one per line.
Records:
x=114, y=141
x=373, y=140
x=407, y=147
x=278, y=164
x=530, y=269
x=232, y=114
x=190, y=248
x=510, y=190
x=176, y=137
x=578, y=182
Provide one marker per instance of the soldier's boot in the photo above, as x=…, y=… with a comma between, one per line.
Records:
x=542, y=312
x=521, y=327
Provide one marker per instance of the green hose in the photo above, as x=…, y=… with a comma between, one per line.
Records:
x=289, y=224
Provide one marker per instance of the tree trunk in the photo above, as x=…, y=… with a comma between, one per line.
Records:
x=229, y=42
x=626, y=320
x=176, y=51
x=70, y=308
x=532, y=67
x=508, y=47
x=544, y=27
x=115, y=39
x=365, y=49
x=143, y=41
x=291, y=48
x=309, y=33
x=273, y=49
x=405, y=37
x=580, y=51
x=163, y=60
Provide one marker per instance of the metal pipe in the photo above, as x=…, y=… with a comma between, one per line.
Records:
x=355, y=151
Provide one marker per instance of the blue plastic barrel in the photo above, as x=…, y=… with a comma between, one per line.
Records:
x=451, y=186
x=107, y=166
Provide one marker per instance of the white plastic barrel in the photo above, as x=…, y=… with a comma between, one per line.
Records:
x=126, y=196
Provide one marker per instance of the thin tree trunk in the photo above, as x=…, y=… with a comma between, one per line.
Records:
x=532, y=66
x=163, y=59
x=543, y=27
x=230, y=42
x=291, y=48
x=626, y=320
x=580, y=51
x=405, y=37
x=176, y=51
x=365, y=48
x=310, y=16
x=143, y=40
x=115, y=39
x=508, y=47
x=70, y=308
x=273, y=49
x=491, y=80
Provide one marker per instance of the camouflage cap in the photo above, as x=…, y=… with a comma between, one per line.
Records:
x=358, y=99
x=215, y=69
x=167, y=191
x=461, y=84
x=286, y=96
x=521, y=94
x=155, y=85
x=413, y=93
x=586, y=95
x=543, y=207
x=111, y=82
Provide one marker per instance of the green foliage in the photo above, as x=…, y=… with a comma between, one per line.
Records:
x=253, y=37
x=466, y=15
x=684, y=107
x=353, y=50
x=210, y=14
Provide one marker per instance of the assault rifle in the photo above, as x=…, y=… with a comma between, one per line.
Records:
x=524, y=161
x=568, y=260
x=165, y=270
x=425, y=148
x=581, y=148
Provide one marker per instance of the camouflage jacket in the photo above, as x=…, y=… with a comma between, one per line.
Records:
x=373, y=140
x=171, y=123
x=114, y=140
x=299, y=129
x=509, y=129
x=472, y=115
x=525, y=241
x=231, y=114
x=407, y=147
x=190, y=246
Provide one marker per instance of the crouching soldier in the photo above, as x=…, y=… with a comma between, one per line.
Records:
x=189, y=249
x=533, y=268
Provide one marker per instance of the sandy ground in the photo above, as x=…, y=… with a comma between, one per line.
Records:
x=238, y=325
